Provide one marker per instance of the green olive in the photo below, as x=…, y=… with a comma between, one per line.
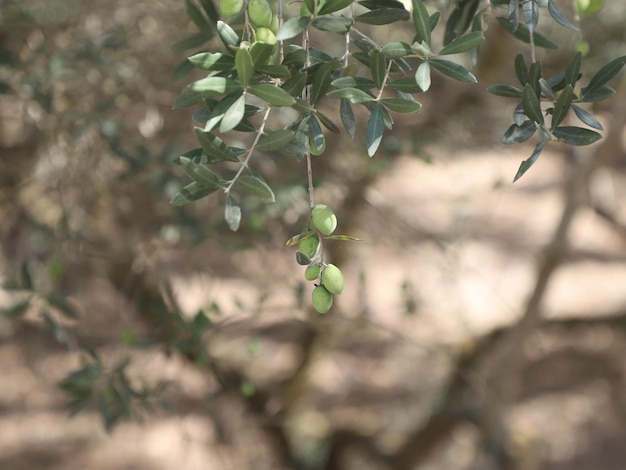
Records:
x=312, y=272
x=310, y=245
x=322, y=299
x=266, y=36
x=231, y=7
x=260, y=13
x=324, y=219
x=332, y=279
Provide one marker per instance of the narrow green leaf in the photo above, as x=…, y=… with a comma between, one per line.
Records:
x=197, y=17
x=507, y=91
x=60, y=303
x=559, y=17
x=453, y=70
x=421, y=21
x=26, y=279
x=460, y=19
x=530, y=9
x=422, y=76
x=532, y=106
x=516, y=134
x=521, y=70
x=405, y=85
x=210, y=10
x=317, y=141
x=16, y=309
x=587, y=118
x=244, y=66
x=523, y=34
x=572, y=72
x=191, y=42
x=228, y=36
x=343, y=238
x=59, y=332
x=598, y=94
x=212, y=61
x=201, y=174
x=214, y=147
x=194, y=155
x=396, y=50
x=295, y=84
x=233, y=116
x=375, y=129
x=192, y=192
x=188, y=98
x=302, y=258
x=333, y=24
x=327, y=122
x=347, y=117
x=464, y=43
x=274, y=95
x=576, y=135
x=382, y=16
x=181, y=71
x=546, y=89
x=353, y=94
x=275, y=141
x=377, y=4
x=399, y=105
x=322, y=78
x=526, y=164
x=274, y=70
x=232, y=213
x=261, y=53
x=535, y=73
x=378, y=67
x=354, y=82
x=562, y=106
x=255, y=186
x=332, y=6
x=292, y=27
x=605, y=74
x=434, y=20
x=215, y=86
x=519, y=117
x=296, y=239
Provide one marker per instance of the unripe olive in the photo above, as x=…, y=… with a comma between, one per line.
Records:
x=310, y=245
x=322, y=299
x=312, y=272
x=324, y=219
x=332, y=279
x=260, y=13
x=265, y=35
x=230, y=7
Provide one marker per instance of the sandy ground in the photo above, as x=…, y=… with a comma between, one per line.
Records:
x=453, y=237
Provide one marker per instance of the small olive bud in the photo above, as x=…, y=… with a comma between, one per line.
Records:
x=332, y=279
x=322, y=299
x=324, y=219
x=310, y=245
x=260, y=13
x=266, y=36
x=312, y=272
x=231, y=7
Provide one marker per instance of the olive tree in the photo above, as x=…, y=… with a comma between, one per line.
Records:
x=267, y=61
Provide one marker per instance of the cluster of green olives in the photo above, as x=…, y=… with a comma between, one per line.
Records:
x=323, y=222
x=261, y=16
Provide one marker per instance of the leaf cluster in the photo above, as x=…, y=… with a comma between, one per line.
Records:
x=247, y=80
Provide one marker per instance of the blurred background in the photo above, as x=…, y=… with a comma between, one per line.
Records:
x=179, y=344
